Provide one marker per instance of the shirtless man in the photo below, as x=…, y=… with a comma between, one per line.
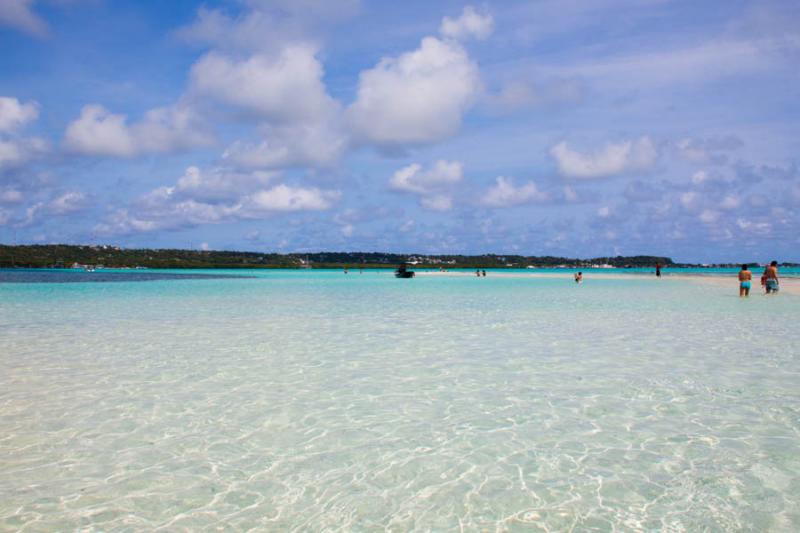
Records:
x=744, y=281
x=771, y=277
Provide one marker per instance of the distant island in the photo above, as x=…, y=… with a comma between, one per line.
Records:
x=105, y=256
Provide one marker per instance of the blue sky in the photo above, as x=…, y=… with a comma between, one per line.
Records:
x=552, y=127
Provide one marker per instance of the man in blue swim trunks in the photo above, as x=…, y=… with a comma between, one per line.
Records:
x=744, y=281
x=771, y=277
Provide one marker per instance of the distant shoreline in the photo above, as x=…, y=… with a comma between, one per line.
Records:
x=109, y=256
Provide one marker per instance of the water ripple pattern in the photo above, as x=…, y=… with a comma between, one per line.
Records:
x=315, y=401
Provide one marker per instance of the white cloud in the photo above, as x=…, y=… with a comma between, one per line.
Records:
x=255, y=30
x=414, y=180
x=286, y=86
x=437, y=202
x=505, y=194
x=611, y=160
x=100, y=132
x=212, y=197
x=301, y=124
x=170, y=216
x=16, y=152
x=69, y=202
x=168, y=129
x=219, y=184
x=432, y=185
x=10, y=196
x=318, y=144
x=65, y=204
x=689, y=200
x=14, y=114
x=416, y=98
x=469, y=24
x=266, y=24
x=709, y=216
x=18, y=14
x=285, y=198
x=759, y=228
x=604, y=212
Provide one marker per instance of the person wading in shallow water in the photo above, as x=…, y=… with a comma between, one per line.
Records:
x=744, y=281
x=658, y=270
x=770, y=277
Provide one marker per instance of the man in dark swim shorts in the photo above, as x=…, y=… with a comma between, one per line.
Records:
x=771, y=278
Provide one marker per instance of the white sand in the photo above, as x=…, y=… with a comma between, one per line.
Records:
x=787, y=285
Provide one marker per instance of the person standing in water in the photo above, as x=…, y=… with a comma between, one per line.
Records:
x=771, y=277
x=744, y=281
x=658, y=270
x=578, y=277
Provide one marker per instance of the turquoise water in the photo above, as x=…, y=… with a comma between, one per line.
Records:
x=311, y=401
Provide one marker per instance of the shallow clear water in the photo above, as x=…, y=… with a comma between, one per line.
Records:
x=314, y=400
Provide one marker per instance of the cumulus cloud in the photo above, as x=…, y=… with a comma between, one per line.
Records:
x=14, y=114
x=505, y=194
x=99, y=132
x=16, y=152
x=19, y=14
x=286, y=198
x=212, y=197
x=418, y=97
x=318, y=144
x=413, y=179
x=432, y=185
x=10, y=196
x=285, y=86
x=470, y=24
x=300, y=124
x=436, y=202
x=64, y=204
x=754, y=227
x=219, y=184
x=613, y=159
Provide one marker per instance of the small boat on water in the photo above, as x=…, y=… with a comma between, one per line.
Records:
x=402, y=272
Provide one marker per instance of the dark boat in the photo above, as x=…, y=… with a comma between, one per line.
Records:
x=401, y=272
